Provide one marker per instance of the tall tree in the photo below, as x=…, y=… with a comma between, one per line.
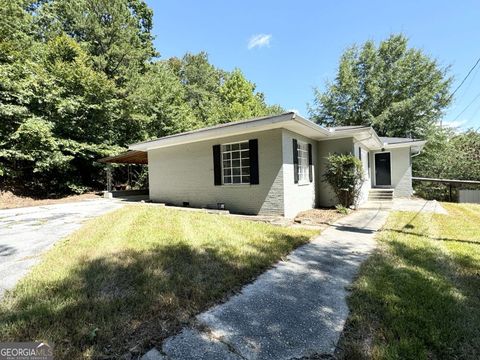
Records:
x=78, y=82
x=157, y=103
x=115, y=33
x=450, y=155
x=17, y=74
x=202, y=83
x=398, y=90
x=239, y=99
x=69, y=122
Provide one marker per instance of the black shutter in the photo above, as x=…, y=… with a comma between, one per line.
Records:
x=253, y=150
x=310, y=163
x=217, y=166
x=295, y=161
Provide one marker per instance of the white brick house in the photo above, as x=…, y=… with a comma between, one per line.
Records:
x=270, y=165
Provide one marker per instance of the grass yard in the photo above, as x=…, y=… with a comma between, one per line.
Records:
x=131, y=278
x=418, y=296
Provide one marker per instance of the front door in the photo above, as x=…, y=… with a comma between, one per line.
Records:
x=382, y=169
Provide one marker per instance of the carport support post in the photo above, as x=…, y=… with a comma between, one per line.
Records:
x=109, y=178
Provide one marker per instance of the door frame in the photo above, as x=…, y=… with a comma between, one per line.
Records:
x=375, y=169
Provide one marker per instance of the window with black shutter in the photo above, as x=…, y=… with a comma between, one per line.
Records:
x=236, y=163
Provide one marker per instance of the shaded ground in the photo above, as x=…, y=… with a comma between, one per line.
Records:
x=127, y=280
x=26, y=233
x=418, y=296
x=295, y=310
x=8, y=200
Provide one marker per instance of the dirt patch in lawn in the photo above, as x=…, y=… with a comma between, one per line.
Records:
x=318, y=217
x=8, y=200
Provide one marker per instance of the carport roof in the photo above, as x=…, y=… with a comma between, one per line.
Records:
x=128, y=157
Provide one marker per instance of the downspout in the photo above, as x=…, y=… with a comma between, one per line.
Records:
x=416, y=154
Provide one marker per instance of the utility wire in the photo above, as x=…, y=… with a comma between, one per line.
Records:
x=466, y=107
x=464, y=79
x=458, y=87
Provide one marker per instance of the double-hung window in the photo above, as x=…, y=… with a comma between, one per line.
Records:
x=236, y=163
x=303, y=164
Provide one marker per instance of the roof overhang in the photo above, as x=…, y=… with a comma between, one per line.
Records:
x=415, y=146
x=288, y=121
x=128, y=157
x=364, y=135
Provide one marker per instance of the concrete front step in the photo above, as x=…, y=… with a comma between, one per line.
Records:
x=380, y=195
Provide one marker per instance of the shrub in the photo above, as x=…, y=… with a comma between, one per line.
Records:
x=341, y=209
x=344, y=173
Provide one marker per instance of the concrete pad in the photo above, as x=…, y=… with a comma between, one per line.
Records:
x=406, y=204
x=26, y=233
x=418, y=205
x=296, y=309
x=153, y=354
x=205, y=347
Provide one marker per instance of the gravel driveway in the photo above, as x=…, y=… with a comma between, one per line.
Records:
x=26, y=233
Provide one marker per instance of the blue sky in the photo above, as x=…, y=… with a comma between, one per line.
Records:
x=288, y=47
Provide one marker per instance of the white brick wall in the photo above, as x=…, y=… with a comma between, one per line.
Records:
x=325, y=194
x=367, y=184
x=297, y=197
x=185, y=173
x=401, y=172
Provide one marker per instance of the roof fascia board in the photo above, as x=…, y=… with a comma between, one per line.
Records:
x=419, y=143
x=282, y=121
x=311, y=125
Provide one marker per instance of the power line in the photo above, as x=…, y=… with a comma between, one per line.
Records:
x=468, y=84
x=465, y=78
x=472, y=117
x=458, y=87
x=466, y=107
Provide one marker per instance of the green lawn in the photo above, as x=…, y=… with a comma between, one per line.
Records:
x=133, y=277
x=418, y=296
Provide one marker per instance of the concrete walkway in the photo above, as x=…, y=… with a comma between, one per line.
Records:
x=26, y=233
x=297, y=309
x=406, y=204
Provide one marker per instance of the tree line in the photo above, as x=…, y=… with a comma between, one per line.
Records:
x=401, y=92
x=80, y=80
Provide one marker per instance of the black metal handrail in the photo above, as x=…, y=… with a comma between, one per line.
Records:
x=450, y=182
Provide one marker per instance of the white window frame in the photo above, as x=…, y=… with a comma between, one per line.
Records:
x=303, y=163
x=227, y=156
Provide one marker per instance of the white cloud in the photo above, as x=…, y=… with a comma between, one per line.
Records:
x=296, y=111
x=259, y=40
x=454, y=124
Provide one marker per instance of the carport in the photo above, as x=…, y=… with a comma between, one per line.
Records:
x=128, y=158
